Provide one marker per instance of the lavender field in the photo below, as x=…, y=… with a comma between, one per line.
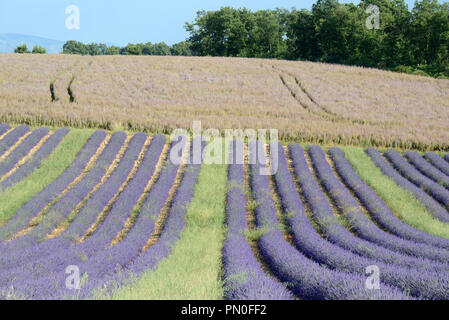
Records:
x=307, y=102
x=122, y=220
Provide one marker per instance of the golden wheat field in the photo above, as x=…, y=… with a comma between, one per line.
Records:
x=305, y=101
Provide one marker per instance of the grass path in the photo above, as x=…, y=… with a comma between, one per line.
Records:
x=15, y=197
x=193, y=270
x=400, y=201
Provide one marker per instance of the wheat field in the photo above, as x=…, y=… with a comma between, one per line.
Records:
x=306, y=102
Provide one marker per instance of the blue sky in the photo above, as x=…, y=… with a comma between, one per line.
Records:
x=119, y=22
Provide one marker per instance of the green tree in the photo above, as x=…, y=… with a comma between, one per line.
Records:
x=75, y=47
x=148, y=49
x=112, y=50
x=361, y=46
x=39, y=50
x=103, y=48
x=182, y=48
x=161, y=49
x=93, y=49
x=430, y=32
x=132, y=49
x=331, y=22
x=301, y=36
x=266, y=37
x=238, y=33
x=220, y=33
x=22, y=49
x=394, y=31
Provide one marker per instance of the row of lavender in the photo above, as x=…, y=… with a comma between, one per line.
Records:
x=323, y=259
x=329, y=264
x=430, y=174
x=17, y=143
x=109, y=180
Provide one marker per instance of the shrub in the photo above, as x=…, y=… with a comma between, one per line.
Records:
x=39, y=50
x=22, y=49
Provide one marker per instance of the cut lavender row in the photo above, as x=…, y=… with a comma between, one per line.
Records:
x=438, y=162
x=427, y=169
x=12, y=137
x=434, y=208
x=59, y=212
x=103, y=266
x=32, y=164
x=378, y=209
x=243, y=277
x=106, y=192
x=420, y=283
x=437, y=191
x=22, y=150
x=122, y=208
x=54, y=289
x=306, y=278
x=4, y=127
x=31, y=209
x=50, y=268
x=363, y=226
x=175, y=222
x=88, y=214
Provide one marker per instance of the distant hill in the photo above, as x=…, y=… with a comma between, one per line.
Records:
x=9, y=41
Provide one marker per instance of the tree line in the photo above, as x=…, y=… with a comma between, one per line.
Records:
x=156, y=49
x=413, y=41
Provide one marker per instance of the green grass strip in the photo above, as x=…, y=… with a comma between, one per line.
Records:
x=400, y=201
x=193, y=270
x=15, y=197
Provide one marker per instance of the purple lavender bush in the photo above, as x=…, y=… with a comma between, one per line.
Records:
x=22, y=150
x=175, y=222
x=149, y=259
x=374, y=246
x=113, y=261
x=378, y=209
x=31, y=209
x=434, y=208
x=427, y=169
x=437, y=191
x=438, y=162
x=59, y=212
x=33, y=163
x=402, y=273
x=4, y=127
x=12, y=137
x=89, y=213
x=47, y=278
x=306, y=278
x=243, y=277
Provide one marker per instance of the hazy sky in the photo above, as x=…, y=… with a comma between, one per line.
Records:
x=119, y=22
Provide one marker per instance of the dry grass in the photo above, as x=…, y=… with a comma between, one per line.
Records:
x=411, y=109
x=306, y=102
